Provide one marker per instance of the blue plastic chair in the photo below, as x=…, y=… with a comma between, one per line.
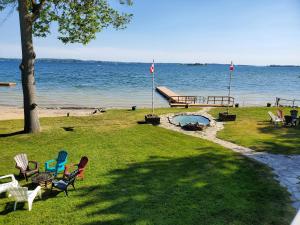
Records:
x=60, y=163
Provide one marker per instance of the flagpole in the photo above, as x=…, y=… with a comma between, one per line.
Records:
x=153, y=90
x=229, y=88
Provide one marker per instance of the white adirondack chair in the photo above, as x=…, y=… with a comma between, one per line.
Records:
x=21, y=194
x=22, y=164
x=21, y=161
x=5, y=186
x=274, y=119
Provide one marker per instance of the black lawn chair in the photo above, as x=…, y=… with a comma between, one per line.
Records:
x=294, y=115
x=65, y=182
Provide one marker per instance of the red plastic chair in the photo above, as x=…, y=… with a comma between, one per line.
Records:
x=280, y=114
x=81, y=166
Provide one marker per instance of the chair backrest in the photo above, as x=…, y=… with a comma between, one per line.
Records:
x=272, y=116
x=280, y=114
x=19, y=193
x=21, y=161
x=62, y=157
x=83, y=161
x=72, y=176
x=294, y=113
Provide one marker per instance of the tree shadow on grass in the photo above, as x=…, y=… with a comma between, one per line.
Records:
x=9, y=206
x=12, y=134
x=46, y=194
x=284, y=140
x=210, y=188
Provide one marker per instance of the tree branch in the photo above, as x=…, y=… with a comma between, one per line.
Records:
x=36, y=9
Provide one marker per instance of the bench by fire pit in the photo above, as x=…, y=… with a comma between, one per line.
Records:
x=152, y=119
x=224, y=116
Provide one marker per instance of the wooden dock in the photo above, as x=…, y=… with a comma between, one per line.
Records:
x=167, y=93
x=176, y=100
x=196, y=105
x=7, y=84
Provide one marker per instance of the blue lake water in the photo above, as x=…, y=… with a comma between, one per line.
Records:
x=108, y=84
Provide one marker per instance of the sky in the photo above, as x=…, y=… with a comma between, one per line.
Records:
x=256, y=32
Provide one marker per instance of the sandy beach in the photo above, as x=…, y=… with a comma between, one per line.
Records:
x=9, y=113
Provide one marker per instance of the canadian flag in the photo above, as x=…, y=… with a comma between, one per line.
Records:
x=231, y=68
x=152, y=68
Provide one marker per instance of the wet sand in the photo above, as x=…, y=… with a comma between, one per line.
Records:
x=9, y=113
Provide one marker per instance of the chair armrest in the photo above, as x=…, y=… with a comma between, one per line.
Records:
x=36, y=164
x=49, y=162
x=69, y=166
x=38, y=188
x=7, y=176
x=35, y=192
x=80, y=169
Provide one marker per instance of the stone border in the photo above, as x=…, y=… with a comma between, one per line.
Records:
x=286, y=168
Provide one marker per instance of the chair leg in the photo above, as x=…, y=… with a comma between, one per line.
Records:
x=66, y=192
x=73, y=186
x=15, y=206
x=25, y=177
x=29, y=205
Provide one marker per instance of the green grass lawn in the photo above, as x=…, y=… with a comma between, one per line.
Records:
x=253, y=129
x=142, y=174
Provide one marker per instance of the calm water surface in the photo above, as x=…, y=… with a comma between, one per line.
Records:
x=108, y=84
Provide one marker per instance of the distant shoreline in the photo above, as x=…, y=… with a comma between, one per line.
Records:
x=284, y=66
x=124, y=62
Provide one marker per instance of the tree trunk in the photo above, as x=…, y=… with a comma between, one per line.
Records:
x=31, y=119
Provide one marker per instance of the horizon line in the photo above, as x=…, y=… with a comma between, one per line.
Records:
x=144, y=62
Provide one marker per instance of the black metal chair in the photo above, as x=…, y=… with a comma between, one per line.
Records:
x=294, y=115
x=287, y=120
x=65, y=182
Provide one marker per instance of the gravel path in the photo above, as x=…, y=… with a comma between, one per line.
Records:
x=285, y=167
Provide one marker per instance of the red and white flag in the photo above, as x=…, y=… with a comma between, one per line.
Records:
x=231, y=68
x=152, y=68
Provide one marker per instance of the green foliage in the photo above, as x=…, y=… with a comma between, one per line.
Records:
x=78, y=20
x=5, y=3
x=142, y=174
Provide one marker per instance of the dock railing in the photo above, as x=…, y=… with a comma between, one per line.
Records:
x=187, y=99
x=220, y=100
x=287, y=102
x=210, y=100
